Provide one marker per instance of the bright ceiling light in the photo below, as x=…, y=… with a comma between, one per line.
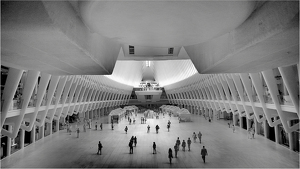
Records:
x=148, y=63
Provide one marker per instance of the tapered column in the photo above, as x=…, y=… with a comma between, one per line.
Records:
x=50, y=127
x=42, y=131
x=291, y=143
x=32, y=133
x=256, y=126
x=57, y=125
x=8, y=148
x=266, y=129
x=22, y=138
x=276, y=133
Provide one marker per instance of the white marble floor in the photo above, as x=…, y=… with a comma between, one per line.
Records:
x=225, y=148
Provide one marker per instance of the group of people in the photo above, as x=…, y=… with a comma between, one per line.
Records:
x=183, y=145
x=133, y=140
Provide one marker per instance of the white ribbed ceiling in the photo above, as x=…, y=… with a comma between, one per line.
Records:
x=164, y=72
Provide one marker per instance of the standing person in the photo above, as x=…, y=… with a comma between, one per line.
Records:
x=96, y=126
x=148, y=129
x=189, y=142
x=101, y=126
x=203, y=153
x=84, y=127
x=157, y=128
x=131, y=147
x=229, y=125
x=135, y=141
x=99, y=147
x=195, y=137
x=233, y=128
x=178, y=142
x=183, y=144
x=126, y=129
x=112, y=126
x=170, y=155
x=77, y=132
x=154, y=148
x=200, y=136
x=176, y=149
x=168, y=126
x=130, y=121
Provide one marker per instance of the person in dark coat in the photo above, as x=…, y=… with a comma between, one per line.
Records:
x=154, y=148
x=176, y=149
x=131, y=147
x=99, y=147
x=170, y=155
x=135, y=141
x=178, y=142
x=203, y=153
x=189, y=142
x=126, y=129
x=157, y=128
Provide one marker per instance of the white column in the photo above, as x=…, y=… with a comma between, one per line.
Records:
x=33, y=134
x=42, y=132
x=22, y=138
x=291, y=143
x=8, y=148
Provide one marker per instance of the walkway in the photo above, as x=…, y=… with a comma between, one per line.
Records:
x=225, y=148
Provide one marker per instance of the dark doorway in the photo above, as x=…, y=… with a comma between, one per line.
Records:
x=244, y=124
x=272, y=133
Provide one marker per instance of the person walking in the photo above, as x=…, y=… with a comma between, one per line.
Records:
x=176, y=149
x=135, y=141
x=189, y=142
x=183, y=144
x=148, y=129
x=168, y=126
x=96, y=126
x=112, y=126
x=99, y=147
x=77, y=132
x=130, y=147
x=195, y=137
x=178, y=142
x=101, y=126
x=170, y=155
x=203, y=153
x=200, y=136
x=154, y=148
x=126, y=129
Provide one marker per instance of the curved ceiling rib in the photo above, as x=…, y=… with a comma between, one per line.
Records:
x=127, y=72
x=168, y=72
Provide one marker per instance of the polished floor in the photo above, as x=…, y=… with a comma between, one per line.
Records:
x=225, y=148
